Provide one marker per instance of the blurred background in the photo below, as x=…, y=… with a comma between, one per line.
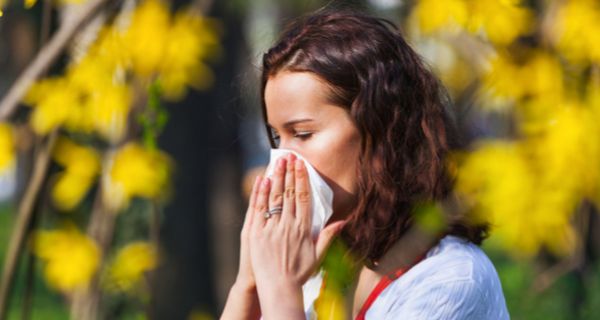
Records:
x=130, y=132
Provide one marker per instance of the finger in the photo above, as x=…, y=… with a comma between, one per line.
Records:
x=261, y=205
x=289, y=195
x=249, y=213
x=303, y=201
x=276, y=195
x=326, y=236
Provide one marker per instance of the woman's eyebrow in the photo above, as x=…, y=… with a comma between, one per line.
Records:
x=296, y=121
x=291, y=123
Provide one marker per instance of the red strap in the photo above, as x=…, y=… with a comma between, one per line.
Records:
x=381, y=285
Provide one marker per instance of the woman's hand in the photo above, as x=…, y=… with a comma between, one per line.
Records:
x=242, y=301
x=282, y=250
x=245, y=278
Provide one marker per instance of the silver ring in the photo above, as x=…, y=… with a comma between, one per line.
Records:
x=276, y=210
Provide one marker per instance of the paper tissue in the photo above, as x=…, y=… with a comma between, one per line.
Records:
x=322, y=209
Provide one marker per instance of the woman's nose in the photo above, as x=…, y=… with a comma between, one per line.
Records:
x=285, y=144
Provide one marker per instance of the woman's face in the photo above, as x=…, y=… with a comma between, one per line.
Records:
x=304, y=121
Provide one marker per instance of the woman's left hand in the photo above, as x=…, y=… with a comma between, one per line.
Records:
x=282, y=251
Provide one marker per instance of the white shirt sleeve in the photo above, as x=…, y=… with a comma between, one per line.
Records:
x=450, y=300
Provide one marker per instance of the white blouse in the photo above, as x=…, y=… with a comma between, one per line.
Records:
x=456, y=280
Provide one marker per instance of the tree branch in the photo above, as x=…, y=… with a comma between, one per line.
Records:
x=17, y=239
x=46, y=56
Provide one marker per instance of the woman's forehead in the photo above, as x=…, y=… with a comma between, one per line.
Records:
x=294, y=95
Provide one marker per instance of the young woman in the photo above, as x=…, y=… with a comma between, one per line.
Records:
x=347, y=92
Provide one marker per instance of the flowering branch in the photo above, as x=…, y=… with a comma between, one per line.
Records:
x=46, y=56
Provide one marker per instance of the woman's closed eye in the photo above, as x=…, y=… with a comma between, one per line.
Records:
x=303, y=135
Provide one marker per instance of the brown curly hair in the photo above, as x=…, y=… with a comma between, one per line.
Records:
x=399, y=108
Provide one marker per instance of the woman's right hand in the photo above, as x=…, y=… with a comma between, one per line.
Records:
x=242, y=301
x=245, y=278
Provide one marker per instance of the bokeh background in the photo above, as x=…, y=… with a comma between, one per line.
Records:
x=129, y=132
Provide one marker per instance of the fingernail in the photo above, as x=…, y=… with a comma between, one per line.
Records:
x=281, y=163
x=266, y=182
x=299, y=165
x=256, y=180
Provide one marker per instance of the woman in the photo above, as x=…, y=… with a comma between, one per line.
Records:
x=346, y=92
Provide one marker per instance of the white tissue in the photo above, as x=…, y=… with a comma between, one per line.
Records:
x=321, y=193
x=322, y=209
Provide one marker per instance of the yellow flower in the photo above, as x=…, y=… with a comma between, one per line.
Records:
x=501, y=20
x=538, y=80
x=53, y=100
x=130, y=264
x=91, y=74
x=82, y=164
x=7, y=147
x=146, y=36
x=501, y=184
x=71, y=258
x=85, y=100
x=69, y=189
x=110, y=47
x=568, y=150
x=577, y=30
x=436, y=15
x=109, y=110
x=330, y=305
x=135, y=171
x=191, y=39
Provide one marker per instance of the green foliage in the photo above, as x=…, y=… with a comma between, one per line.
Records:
x=561, y=300
x=153, y=118
x=339, y=265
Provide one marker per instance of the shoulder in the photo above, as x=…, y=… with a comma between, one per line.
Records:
x=457, y=259
x=456, y=280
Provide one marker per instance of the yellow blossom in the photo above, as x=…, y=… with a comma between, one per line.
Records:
x=538, y=79
x=172, y=49
x=94, y=96
x=501, y=20
x=577, y=30
x=501, y=185
x=91, y=74
x=130, y=264
x=82, y=164
x=7, y=147
x=109, y=109
x=191, y=39
x=71, y=258
x=86, y=99
x=330, y=305
x=109, y=49
x=134, y=171
x=146, y=36
x=568, y=151
x=53, y=101
x=435, y=15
